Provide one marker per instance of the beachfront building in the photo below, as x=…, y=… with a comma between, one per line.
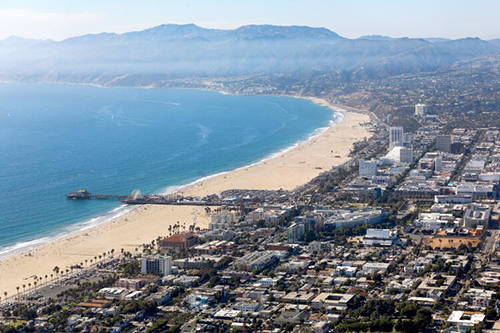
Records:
x=157, y=264
x=222, y=220
x=367, y=169
x=178, y=242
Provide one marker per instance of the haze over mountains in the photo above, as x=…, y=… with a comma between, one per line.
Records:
x=188, y=51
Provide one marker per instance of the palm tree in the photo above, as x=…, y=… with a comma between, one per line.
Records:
x=17, y=292
x=86, y=262
x=24, y=289
x=51, y=277
x=56, y=270
x=112, y=252
x=35, y=284
x=46, y=276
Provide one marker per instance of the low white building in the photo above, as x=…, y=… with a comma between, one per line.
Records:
x=352, y=219
x=375, y=267
x=476, y=214
x=246, y=306
x=114, y=293
x=462, y=320
x=268, y=282
x=433, y=221
x=379, y=237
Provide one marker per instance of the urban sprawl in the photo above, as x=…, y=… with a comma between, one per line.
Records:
x=402, y=238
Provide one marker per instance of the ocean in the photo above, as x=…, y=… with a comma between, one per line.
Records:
x=56, y=139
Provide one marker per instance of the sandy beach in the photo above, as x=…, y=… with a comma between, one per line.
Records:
x=144, y=224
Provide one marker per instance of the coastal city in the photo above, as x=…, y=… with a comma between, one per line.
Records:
x=401, y=237
x=218, y=166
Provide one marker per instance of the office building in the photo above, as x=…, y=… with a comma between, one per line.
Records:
x=443, y=143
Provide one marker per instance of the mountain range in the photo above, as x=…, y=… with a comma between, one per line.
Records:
x=188, y=51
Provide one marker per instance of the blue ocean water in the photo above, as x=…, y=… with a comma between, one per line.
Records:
x=55, y=139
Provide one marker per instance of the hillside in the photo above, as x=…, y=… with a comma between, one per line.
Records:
x=188, y=51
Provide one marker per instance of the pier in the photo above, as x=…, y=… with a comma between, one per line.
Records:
x=136, y=198
x=85, y=195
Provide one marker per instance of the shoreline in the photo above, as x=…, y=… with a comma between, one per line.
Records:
x=25, y=247
x=144, y=223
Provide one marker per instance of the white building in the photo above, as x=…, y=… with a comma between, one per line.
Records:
x=114, y=293
x=375, y=267
x=433, y=221
x=476, y=214
x=295, y=232
x=351, y=219
x=222, y=220
x=400, y=155
x=246, y=306
x=463, y=320
x=367, y=168
x=268, y=282
x=421, y=110
x=380, y=237
x=396, y=136
x=157, y=264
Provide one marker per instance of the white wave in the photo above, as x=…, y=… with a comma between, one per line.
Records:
x=69, y=230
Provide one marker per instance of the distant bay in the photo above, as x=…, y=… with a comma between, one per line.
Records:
x=55, y=139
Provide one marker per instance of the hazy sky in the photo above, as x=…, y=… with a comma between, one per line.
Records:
x=59, y=19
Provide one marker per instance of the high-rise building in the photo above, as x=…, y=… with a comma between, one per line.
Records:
x=157, y=264
x=396, y=136
x=367, y=168
x=443, y=143
x=408, y=139
x=421, y=110
x=438, y=163
x=295, y=233
x=406, y=155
